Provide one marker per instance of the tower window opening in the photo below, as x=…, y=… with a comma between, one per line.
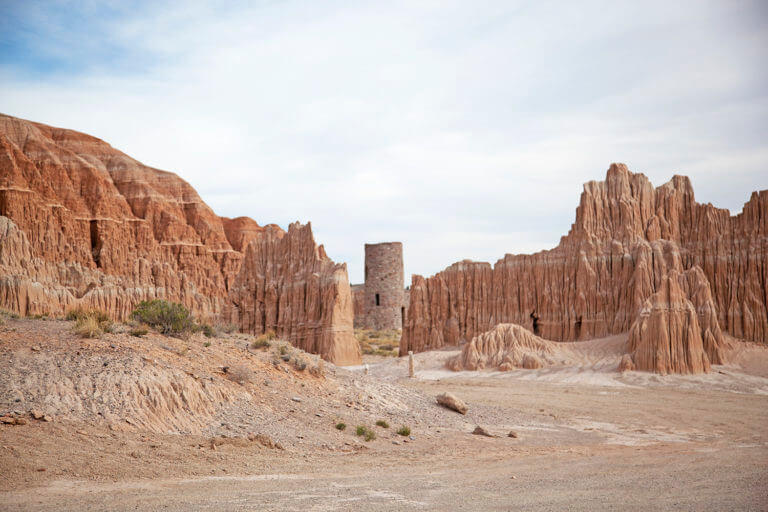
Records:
x=377, y=300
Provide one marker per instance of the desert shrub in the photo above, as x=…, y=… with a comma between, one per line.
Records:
x=299, y=363
x=206, y=329
x=264, y=340
x=382, y=423
x=365, y=432
x=283, y=350
x=341, y=426
x=240, y=373
x=138, y=331
x=318, y=370
x=79, y=313
x=404, y=430
x=207, y=344
x=260, y=342
x=166, y=317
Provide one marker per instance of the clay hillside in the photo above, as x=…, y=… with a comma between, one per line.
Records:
x=84, y=225
x=649, y=261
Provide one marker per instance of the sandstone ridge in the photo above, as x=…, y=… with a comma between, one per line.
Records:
x=627, y=240
x=82, y=224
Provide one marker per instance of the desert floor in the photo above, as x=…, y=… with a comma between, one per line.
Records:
x=589, y=438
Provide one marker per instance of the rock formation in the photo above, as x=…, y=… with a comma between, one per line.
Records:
x=288, y=285
x=451, y=401
x=627, y=238
x=666, y=337
x=504, y=347
x=84, y=224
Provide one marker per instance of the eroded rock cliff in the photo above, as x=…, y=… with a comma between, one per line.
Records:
x=627, y=237
x=666, y=336
x=84, y=224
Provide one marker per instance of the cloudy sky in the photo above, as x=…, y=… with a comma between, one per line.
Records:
x=463, y=129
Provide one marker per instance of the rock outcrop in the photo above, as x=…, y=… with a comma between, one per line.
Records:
x=504, y=347
x=451, y=401
x=82, y=224
x=627, y=238
x=288, y=285
x=666, y=337
x=676, y=330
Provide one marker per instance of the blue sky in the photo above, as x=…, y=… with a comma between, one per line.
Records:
x=462, y=129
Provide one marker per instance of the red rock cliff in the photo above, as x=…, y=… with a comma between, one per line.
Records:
x=626, y=238
x=84, y=224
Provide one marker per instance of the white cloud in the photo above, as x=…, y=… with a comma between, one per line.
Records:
x=463, y=130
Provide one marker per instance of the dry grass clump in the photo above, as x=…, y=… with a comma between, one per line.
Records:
x=90, y=323
x=139, y=331
x=9, y=314
x=225, y=328
x=283, y=352
x=341, y=426
x=382, y=424
x=381, y=343
x=239, y=373
x=264, y=340
x=404, y=430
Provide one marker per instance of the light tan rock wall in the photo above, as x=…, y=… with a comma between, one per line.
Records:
x=626, y=238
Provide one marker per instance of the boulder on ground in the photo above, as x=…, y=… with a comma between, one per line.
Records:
x=452, y=402
x=481, y=431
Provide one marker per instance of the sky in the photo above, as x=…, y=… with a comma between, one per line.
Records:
x=465, y=130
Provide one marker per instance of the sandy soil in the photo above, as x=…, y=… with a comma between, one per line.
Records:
x=588, y=438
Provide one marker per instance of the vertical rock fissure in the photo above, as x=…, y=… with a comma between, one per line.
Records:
x=95, y=243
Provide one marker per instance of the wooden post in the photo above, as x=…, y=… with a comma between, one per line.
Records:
x=411, y=369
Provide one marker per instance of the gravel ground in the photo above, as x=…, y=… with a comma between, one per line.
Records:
x=180, y=440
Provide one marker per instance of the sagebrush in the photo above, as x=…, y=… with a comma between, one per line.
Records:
x=166, y=317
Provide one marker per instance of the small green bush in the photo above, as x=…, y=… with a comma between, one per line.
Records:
x=341, y=426
x=166, y=317
x=404, y=431
x=382, y=424
x=207, y=330
x=207, y=344
x=365, y=432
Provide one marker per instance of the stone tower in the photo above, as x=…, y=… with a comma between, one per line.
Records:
x=384, y=296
